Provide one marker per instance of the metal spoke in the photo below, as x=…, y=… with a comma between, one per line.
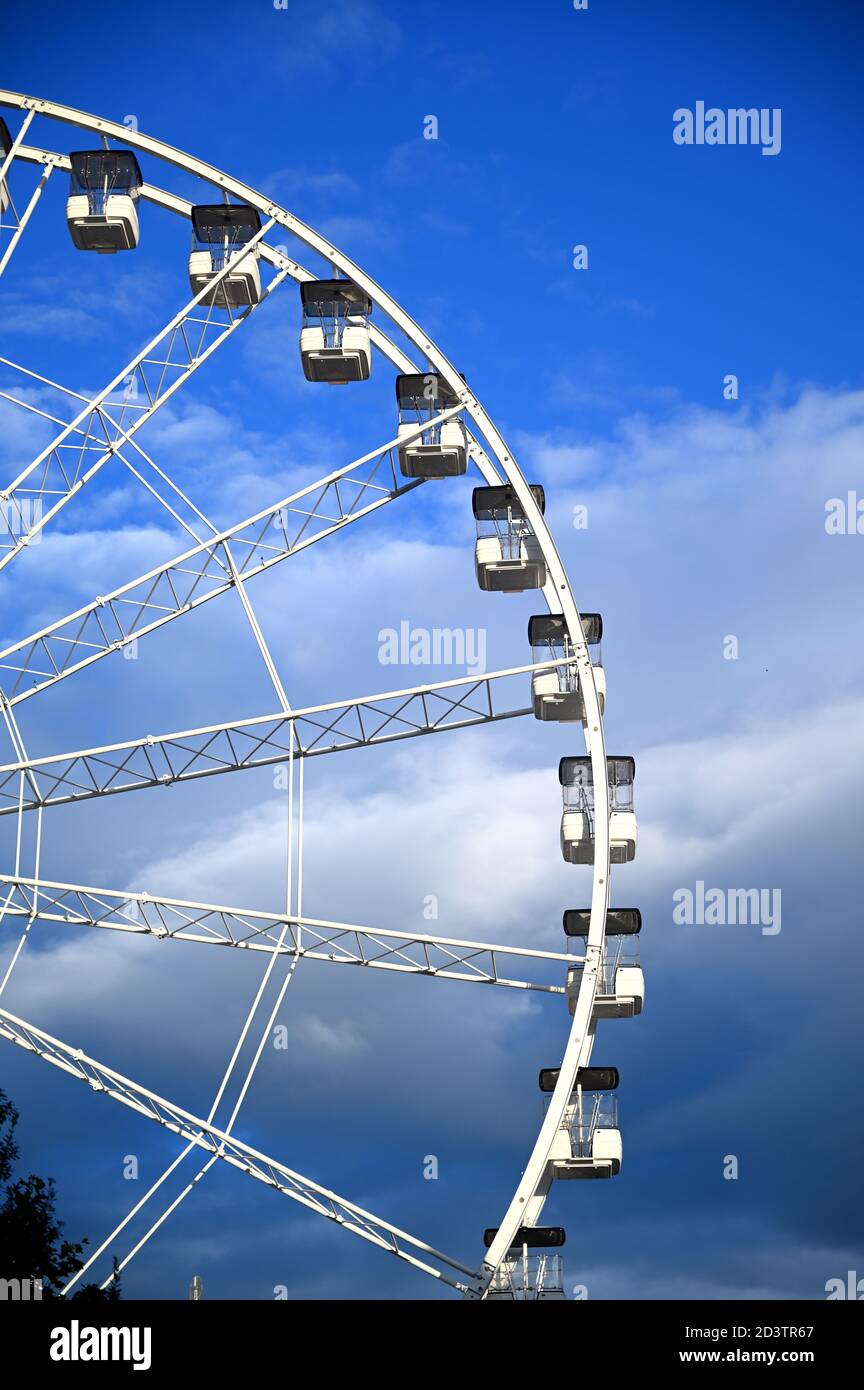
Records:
x=312, y=1195
x=159, y=760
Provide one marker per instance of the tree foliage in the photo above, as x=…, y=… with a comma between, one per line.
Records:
x=32, y=1244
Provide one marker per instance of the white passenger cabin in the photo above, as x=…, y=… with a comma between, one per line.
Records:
x=101, y=210
x=577, y=823
x=220, y=235
x=5, y=147
x=557, y=694
x=334, y=340
x=441, y=451
x=620, y=991
x=588, y=1144
x=507, y=556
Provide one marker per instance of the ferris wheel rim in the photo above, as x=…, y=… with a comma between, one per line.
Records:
x=529, y=1196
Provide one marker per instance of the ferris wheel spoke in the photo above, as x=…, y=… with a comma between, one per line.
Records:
x=176, y=919
x=6, y=902
x=160, y=760
x=17, y=225
x=102, y=1080
x=13, y=224
x=182, y=584
x=156, y=373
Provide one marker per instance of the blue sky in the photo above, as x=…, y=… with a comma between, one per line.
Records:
x=706, y=518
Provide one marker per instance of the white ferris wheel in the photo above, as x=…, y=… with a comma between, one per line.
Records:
x=439, y=430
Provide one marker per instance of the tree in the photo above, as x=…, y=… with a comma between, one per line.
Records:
x=8, y=1147
x=32, y=1245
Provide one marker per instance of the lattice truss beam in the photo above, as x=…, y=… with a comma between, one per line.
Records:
x=160, y=760
x=142, y=914
x=204, y=571
x=217, y=1142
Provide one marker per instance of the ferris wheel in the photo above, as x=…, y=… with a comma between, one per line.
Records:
x=439, y=430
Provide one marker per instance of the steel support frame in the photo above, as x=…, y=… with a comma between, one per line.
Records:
x=527, y=1202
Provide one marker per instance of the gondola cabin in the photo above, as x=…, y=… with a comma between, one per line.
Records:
x=556, y=693
x=101, y=210
x=588, y=1144
x=620, y=991
x=441, y=451
x=221, y=233
x=507, y=556
x=577, y=823
x=335, y=344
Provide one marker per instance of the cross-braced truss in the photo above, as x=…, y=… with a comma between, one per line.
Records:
x=337, y=943
x=103, y=428
x=164, y=759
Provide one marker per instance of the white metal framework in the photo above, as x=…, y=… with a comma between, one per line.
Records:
x=101, y=433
